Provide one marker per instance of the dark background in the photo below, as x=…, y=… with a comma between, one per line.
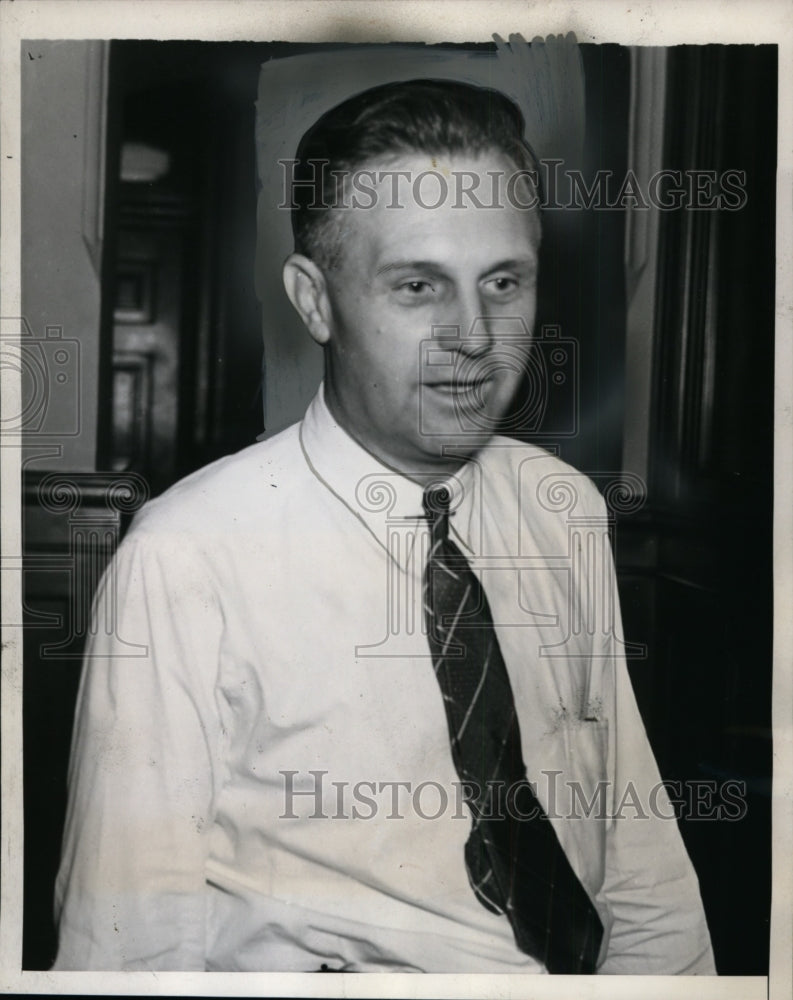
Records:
x=180, y=385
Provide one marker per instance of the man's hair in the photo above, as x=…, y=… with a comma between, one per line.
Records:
x=436, y=117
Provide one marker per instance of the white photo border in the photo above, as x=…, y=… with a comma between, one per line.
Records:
x=640, y=23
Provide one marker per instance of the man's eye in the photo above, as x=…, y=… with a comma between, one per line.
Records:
x=502, y=285
x=417, y=292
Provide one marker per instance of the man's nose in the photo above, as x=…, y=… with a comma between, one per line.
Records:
x=474, y=326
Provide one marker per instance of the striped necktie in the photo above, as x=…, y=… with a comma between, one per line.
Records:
x=515, y=862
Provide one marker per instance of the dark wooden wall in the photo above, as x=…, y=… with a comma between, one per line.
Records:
x=696, y=563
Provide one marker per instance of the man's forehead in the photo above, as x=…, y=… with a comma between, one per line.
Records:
x=448, y=238
x=411, y=167
x=434, y=201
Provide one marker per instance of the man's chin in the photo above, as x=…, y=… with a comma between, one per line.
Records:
x=445, y=452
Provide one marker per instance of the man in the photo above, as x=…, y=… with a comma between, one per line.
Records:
x=383, y=720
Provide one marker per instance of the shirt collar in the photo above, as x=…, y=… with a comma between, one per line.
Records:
x=379, y=496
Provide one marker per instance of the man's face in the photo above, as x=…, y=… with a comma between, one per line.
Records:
x=404, y=272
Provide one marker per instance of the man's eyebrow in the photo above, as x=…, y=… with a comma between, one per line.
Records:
x=411, y=265
x=513, y=264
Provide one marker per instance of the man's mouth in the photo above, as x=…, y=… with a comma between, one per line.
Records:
x=469, y=395
x=456, y=386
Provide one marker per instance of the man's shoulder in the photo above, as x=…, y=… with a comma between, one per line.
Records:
x=233, y=491
x=533, y=471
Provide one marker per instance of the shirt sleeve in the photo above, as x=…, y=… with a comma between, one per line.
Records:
x=650, y=891
x=144, y=771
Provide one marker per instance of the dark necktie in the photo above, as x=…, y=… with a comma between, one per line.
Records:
x=515, y=862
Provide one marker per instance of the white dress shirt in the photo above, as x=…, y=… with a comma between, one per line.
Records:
x=260, y=635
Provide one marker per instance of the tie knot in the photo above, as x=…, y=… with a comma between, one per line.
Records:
x=436, y=502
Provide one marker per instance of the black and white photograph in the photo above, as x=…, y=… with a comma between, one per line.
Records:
x=397, y=533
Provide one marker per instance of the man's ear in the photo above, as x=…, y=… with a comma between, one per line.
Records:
x=308, y=292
